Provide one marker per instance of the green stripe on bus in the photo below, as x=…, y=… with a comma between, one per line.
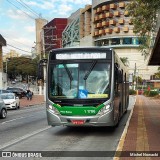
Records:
x=78, y=110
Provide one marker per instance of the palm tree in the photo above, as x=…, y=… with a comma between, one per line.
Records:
x=125, y=61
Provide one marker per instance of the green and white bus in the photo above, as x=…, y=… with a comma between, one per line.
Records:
x=86, y=87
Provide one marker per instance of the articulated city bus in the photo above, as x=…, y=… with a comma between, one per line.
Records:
x=86, y=87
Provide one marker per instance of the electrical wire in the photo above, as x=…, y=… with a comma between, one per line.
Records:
x=28, y=8
x=21, y=10
x=18, y=48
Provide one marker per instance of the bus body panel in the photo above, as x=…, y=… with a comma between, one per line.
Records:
x=103, y=120
x=118, y=100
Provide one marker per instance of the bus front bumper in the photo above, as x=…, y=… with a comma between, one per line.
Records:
x=97, y=120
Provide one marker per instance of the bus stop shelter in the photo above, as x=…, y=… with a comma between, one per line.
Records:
x=155, y=55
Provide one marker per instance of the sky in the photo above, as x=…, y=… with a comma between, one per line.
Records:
x=17, y=19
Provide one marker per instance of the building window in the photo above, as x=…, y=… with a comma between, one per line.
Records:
x=115, y=41
x=127, y=40
x=135, y=41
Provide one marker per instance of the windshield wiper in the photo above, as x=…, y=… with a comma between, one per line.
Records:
x=90, y=70
x=69, y=73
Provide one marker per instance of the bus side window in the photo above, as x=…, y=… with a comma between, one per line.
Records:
x=120, y=76
x=116, y=79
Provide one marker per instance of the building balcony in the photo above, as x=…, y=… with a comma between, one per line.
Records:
x=117, y=14
x=96, y=33
x=116, y=29
x=125, y=29
x=99, y=25
x=105, y=8
x=99, y=10
x=130, y=22
x=105, y=23
x=101, y=32
x=96, y=18
x=126, y=13
x=108, y=30
x=121, y=5
x=108, y=15
x=101, y=16
x=112, y=22
x=121, y=21
x=113, y=6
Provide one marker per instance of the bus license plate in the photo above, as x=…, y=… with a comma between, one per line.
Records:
x=78, y=122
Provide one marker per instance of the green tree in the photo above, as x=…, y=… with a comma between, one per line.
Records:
x=125, y=61
x=21, y=66
x=143, y=16
x=157, y=75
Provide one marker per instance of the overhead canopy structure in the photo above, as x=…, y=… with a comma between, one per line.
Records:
x=155, y=55
x=2, y=41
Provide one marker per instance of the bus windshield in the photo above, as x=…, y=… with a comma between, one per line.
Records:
x=82, y=80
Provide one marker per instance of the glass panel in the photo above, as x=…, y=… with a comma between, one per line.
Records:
x=135, y=41
x=115, y=41
x=80, y=80
x=127, y=40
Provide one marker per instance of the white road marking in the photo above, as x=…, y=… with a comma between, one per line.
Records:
x=3, y=146
x=17, y=119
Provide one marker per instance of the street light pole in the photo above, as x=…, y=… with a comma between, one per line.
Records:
x=7, y=70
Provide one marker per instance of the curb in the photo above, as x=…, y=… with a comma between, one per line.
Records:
x=123, y=136
x=32, y=105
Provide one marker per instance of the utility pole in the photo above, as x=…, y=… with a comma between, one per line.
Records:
x=135, y=69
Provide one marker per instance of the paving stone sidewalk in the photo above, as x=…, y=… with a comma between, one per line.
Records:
x=36, y=99
x=144, y=129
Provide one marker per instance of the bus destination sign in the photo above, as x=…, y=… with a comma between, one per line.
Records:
x=81, y=56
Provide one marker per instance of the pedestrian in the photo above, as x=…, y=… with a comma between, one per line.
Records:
x=29, y=95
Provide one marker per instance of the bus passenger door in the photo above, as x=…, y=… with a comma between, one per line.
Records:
x=117, y=93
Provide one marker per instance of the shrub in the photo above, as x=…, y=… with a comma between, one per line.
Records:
x=150, y=93
x=132, y=92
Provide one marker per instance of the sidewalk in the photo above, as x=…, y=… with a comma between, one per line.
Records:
x=143, y=133
x=36, y=99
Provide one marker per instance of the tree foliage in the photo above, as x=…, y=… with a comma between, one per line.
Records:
x=21, y=66
x=143, y=16
x=157, y=74
x=125, y=61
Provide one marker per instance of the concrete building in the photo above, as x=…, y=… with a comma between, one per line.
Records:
x=53, y=33
x=39, y=35
x=107, y=23
x=2, y=75
x=71, y=34
x=10, y=54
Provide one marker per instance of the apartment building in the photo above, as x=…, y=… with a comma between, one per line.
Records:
x=106, y=23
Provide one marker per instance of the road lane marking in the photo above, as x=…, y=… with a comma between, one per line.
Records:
x=15, y=141
x=12, y=120
x=16, y=119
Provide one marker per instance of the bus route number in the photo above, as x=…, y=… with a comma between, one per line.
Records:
x=90, y=111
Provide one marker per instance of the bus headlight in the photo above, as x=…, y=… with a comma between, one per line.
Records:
x=53, y=109
x=104, y=110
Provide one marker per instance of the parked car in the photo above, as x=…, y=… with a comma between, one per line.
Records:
x=11, y=100
x=20, y=92
x=5, y=91
x=3, y=109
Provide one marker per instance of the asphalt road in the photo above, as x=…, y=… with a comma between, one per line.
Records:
x=27, y=130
